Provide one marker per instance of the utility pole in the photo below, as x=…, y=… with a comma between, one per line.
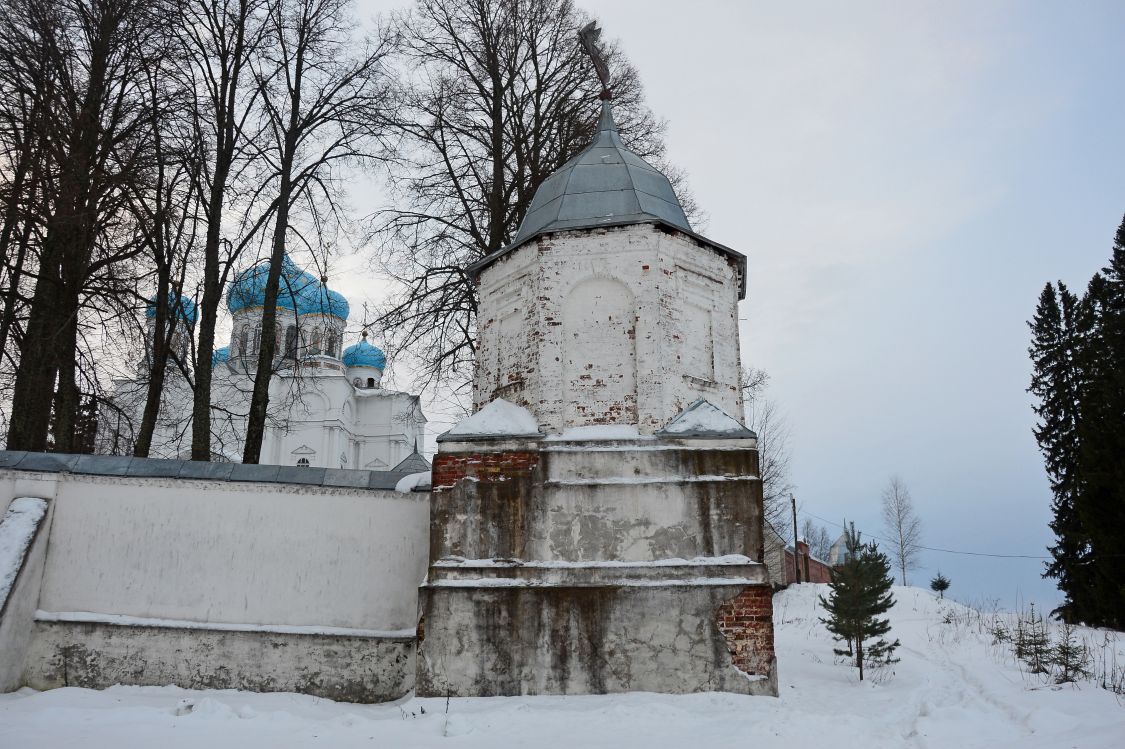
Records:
x=796, y=548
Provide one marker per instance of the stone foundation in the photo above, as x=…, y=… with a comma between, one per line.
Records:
x=97, y=655
x=593, y=566
x=589, y=639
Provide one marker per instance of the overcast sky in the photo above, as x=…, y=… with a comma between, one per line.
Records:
x=904, y=177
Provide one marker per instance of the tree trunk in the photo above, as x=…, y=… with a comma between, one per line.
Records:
x=35, y=376
x=157, y=364
x=15, y=275
x=260, y=400
x=205, y=348
x=67, y=397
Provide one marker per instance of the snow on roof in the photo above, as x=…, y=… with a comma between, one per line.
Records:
x=498, y=419
x=704, y=419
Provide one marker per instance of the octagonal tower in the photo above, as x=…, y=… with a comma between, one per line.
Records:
x=607, y=308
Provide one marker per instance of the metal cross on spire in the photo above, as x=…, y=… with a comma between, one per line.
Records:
x=589, y=37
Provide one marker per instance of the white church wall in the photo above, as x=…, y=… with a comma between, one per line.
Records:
x=546, y=302
x=236, y=553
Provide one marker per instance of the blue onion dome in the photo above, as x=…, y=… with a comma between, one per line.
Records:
x=318, y=299
x=248, y=289
x=363, y=354
x=186, y=307
x=220, y=355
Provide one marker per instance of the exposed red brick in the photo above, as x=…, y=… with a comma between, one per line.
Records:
x=746, y=623
x=449, y=468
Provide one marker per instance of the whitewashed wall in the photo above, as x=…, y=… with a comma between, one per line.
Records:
x=233, y=553
x=626, y=325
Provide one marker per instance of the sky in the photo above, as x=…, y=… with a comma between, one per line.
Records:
x=904, y=178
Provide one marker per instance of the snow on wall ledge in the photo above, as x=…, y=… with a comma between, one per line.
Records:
x=22, y=549
x=17, y=529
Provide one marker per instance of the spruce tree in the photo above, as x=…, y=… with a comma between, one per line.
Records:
x=1101, y=435
x=859, y=592
x=1078, y=353
x=1056, y=382
x=939, y=584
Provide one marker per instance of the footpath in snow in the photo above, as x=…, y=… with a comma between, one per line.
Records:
x=952, y=688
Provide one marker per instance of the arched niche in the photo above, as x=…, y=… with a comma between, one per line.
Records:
x=599, y=354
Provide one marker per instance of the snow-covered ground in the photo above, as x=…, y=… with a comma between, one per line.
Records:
x=952, y=688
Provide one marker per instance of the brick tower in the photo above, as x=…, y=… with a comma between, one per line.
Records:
x=596, y=524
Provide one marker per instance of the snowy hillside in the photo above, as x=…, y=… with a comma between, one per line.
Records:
x=952, y=688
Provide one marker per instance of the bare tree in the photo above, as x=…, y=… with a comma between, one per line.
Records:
x=902, y=526
x=222, y=39
x=92, y=116
x=167, y=210
x=323, y=98
x=817, y=538
x=765, y=418
x=497, y=95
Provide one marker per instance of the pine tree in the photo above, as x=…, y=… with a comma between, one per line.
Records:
x=1034, y=643
x=1100, y=505
x=1070, y=657
x=939, y=584
x=859, y=593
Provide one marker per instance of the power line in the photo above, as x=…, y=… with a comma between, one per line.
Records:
x=944, y=551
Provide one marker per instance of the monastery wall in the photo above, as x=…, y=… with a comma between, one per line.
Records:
x=305, y=581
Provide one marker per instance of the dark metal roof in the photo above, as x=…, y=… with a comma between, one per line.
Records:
x=413, y=463
x=605, y=185
x=124, y=465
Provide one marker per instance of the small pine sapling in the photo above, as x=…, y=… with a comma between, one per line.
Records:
x=939, y=584
x=1070, y=657
x=1032, y=643
x=859, y=593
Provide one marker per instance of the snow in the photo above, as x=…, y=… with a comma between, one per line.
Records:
x=407, y=484
x=284, y=629
x=649, y=480
x=952, y=688
x=599, y=432
x=727, y=559
x=17, y=528
x=498, y=418
x=703, y=416
x=517, y=582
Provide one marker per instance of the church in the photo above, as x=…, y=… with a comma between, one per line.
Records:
x=327, y=406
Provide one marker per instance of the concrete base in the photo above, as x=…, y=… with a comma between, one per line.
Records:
x=480, y=638
x=572, y=566
x=98, y=655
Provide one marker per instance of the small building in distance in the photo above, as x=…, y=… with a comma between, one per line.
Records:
x=838, y=552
